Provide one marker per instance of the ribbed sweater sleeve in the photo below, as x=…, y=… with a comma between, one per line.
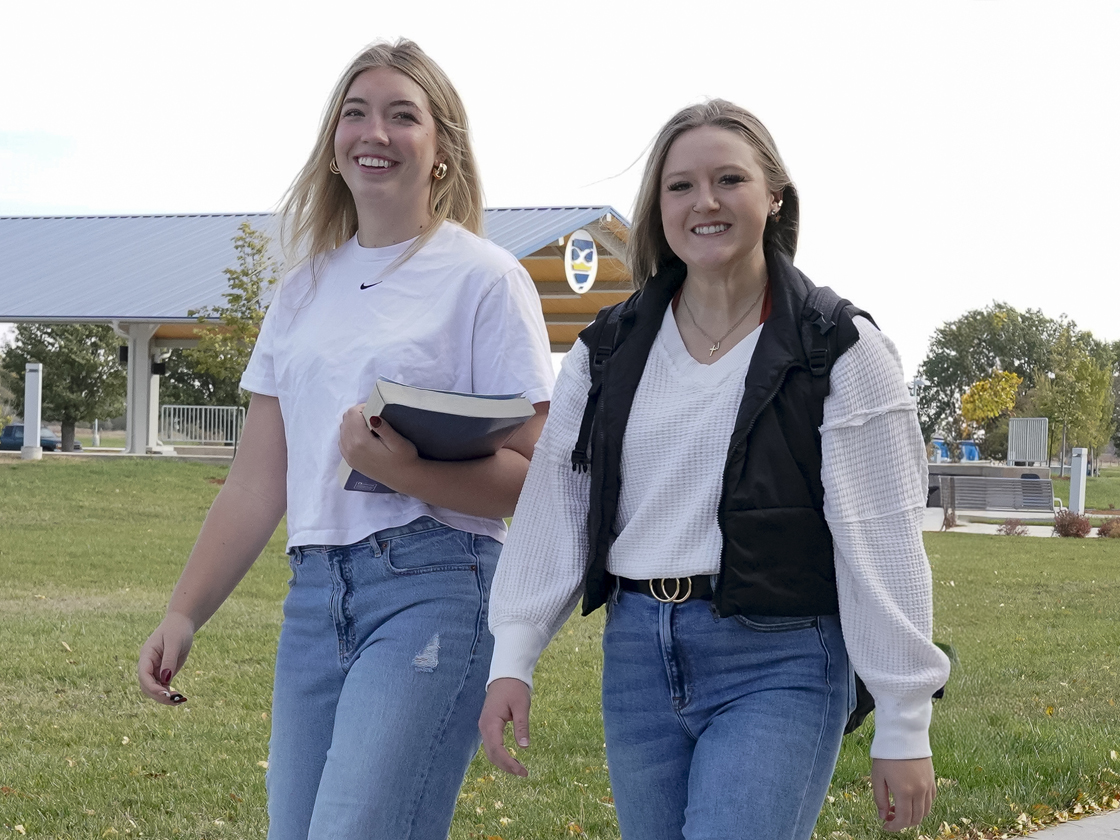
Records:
x=874, y=474
x=540, y=574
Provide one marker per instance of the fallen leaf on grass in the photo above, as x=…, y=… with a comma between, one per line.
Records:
x=67, y=647
x=236, y=798
x=263, y=764
x=19, y=829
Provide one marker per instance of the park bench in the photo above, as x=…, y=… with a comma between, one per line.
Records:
x=983, y=493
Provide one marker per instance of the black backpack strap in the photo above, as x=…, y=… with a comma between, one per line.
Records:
x=820, y=333
x=820, y=337
x=601, y=338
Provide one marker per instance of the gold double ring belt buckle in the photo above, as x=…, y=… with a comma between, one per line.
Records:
x=680, y=592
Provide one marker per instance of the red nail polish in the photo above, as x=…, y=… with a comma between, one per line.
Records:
x=165, y=676
x=374, y=422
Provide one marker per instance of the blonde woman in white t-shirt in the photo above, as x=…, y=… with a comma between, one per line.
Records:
x=384, y=648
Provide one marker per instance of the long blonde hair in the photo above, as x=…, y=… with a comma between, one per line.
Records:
x=648, y=251
x=318, y=210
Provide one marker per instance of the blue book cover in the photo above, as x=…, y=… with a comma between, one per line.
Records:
x=443, y=425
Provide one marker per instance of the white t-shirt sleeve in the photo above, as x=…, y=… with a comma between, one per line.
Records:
x=540, y=574
x=874, y=475
x=509, y=343
x=259, y=375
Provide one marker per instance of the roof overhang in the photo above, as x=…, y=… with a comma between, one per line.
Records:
x=156, y=269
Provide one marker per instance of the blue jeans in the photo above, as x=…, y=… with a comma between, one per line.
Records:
x=380, y=677
x=721, y=728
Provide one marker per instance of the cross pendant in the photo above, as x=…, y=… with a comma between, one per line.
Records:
x=714, y=348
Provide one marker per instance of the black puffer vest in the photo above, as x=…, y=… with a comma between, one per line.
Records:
x=777, y=548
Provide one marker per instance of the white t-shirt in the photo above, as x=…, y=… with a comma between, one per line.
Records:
x=461, y=314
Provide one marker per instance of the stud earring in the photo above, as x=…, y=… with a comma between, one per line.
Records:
x=334, y=167
x=439, y=172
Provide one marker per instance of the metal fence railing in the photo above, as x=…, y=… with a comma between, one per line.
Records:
x=219, y=425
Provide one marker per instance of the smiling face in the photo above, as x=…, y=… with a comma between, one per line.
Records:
x=385, y=147
x=714, y=201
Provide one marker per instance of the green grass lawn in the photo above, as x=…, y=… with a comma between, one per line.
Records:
x=1101, y=492
x=89, y=550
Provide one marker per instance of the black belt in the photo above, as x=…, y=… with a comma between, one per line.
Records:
x=671, y=590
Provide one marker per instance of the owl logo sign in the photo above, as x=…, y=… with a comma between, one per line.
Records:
x=581, y=261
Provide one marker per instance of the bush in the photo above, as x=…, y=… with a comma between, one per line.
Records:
x=1012, y=528
x=1110, y=528
x=1070, y=524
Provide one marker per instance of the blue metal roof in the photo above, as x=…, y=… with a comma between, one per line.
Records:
x=524, y=230
x=156, y=268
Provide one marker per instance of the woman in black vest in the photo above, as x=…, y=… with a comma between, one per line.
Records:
x=757, y=480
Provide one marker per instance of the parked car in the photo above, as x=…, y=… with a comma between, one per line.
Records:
x=12, y=438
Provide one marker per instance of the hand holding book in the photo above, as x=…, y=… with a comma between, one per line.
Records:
x=377, y=449
x=439, y=425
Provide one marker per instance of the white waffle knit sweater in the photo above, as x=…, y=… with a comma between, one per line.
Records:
x=874, y=475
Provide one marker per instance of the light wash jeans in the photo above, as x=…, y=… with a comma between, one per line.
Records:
x=380, y=677
x=721, y=728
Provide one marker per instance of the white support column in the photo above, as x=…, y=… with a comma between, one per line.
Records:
x=141, y=404
x=32, y=412
x=1078, y=464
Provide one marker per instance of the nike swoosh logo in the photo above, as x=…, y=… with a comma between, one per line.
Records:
x=370, y=285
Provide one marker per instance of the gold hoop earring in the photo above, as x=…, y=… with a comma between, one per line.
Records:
x=334, y=167
x=440, y=172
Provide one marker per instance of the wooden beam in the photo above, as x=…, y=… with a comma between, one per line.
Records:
x=584, y=304
x=552, y=270
x=563, y=335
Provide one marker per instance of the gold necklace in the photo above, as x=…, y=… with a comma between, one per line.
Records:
x=717, y=341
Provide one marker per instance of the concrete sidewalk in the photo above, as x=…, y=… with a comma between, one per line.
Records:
x=934, y=517
x=1096, y=827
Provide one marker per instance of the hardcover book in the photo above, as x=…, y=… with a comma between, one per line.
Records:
x=443, y=425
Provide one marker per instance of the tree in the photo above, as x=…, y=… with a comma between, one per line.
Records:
x=1077, y=393
x=7, y=396
x=991, y=397
x=213, y=369
x=1116, y=395
x=987, y=406
x=82, y=380
x=964, y=351
x=184, y=384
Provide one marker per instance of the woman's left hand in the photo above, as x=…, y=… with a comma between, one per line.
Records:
x=378, y=452
x=904, y=790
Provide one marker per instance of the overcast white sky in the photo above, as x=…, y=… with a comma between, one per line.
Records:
x=948, y=153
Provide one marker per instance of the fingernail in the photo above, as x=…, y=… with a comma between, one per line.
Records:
x=176, y=697
x=522, y=742
x=374, y=422
x=165, y=676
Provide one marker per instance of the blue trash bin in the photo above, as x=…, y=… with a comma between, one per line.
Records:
x=969, y=451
